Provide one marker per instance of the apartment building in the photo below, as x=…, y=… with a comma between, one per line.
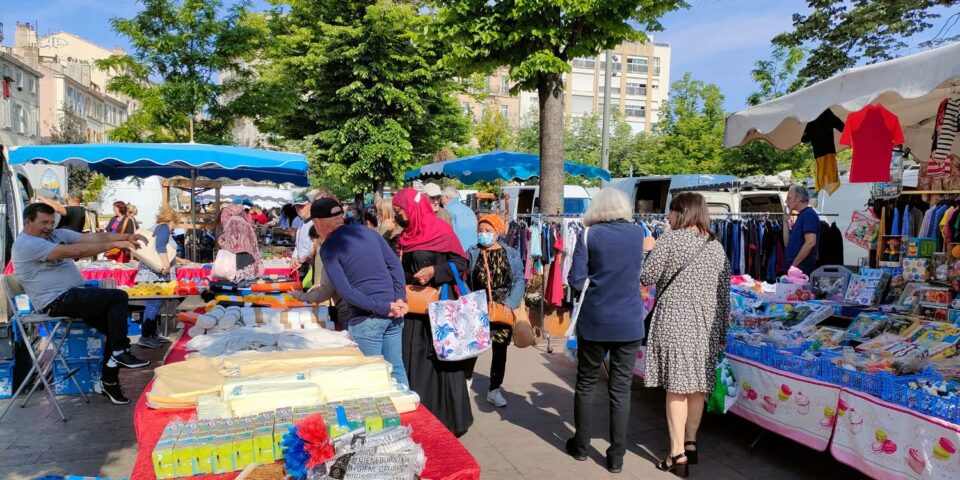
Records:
x=19, y=100
x=71, y=81
x=640, y=84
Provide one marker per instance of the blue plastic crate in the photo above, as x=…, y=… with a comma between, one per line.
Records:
x=88, y=374
x=6, y=379
x=133, y=328
x=869, y=383
x=762, y=353
x=790, y=360
x=898, y=391
x=82, y=342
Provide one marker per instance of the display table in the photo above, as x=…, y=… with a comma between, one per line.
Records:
x=447, y=458
x=188, y=273
x=125, y=277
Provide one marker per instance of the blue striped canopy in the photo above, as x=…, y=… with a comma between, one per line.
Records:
x=118, y=161
x=498, y=165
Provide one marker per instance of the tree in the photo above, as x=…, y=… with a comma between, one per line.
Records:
x=493, y=132
x=844, y=32
x=778, y=75
x=185, y=46
x=359, y=81
x=690, y=130
x=70, y=128
x=537, y=40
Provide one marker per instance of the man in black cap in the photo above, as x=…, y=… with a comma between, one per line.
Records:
x=369, y=278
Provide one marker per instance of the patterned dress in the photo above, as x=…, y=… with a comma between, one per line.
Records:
x=690, y=321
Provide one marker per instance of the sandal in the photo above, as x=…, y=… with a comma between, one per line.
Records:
x=679, y=469
x=691, y=454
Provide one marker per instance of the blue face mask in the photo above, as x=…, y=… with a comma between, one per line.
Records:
x=486, y=238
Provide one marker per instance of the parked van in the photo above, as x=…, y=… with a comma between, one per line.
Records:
x=16, y=192
x=724, y=193
x=849, y=198
x=525, y=199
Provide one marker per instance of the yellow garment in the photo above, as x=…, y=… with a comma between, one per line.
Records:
x=826, y=177
x=943, y=221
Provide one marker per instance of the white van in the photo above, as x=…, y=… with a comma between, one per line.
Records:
x=724, y=193
x=849, y=198
x=525, y=199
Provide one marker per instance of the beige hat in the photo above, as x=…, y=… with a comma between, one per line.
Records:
x=432, y=190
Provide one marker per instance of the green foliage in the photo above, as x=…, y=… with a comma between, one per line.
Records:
x=69, y=128
x=493, y=132
x=94, y=188
x=690, y=130
x=844, y=32
x=778, y=75
x=180, y=47
x=528, y=135
x=359, y=81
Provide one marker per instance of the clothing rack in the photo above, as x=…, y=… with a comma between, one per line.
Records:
x=930, y=192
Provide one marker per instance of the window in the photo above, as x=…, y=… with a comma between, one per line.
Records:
x=614, y=88
x=581, y=105
x=33, y=85
x=19, y=79
x=581, y=62
x=655, y=86
x=637, y=64
x=617, y=66
x=582, y=82
x=635, y=110
x=504, y=111
x=5, y=114
x=465, y=108
x=656, y=65
x=636, y=88
x=504, y=85
x=19, y=118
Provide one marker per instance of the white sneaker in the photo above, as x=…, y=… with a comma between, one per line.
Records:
x=496, y=397
x=469, y=383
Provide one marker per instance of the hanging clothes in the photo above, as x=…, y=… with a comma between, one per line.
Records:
x=830, y=246
x=819, y=134
x=944, y=135
x=554, y=291
x=872, y=132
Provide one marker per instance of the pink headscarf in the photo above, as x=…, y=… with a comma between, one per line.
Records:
x=239, y=235
x=426, y=231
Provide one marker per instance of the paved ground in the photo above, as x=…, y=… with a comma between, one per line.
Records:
x=523, y=440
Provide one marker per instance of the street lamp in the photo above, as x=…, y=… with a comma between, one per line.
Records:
x=605, y=125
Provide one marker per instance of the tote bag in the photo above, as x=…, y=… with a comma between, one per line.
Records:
x=460, y=328
x=147, y=253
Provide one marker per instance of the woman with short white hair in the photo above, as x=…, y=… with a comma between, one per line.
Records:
x=610, y=255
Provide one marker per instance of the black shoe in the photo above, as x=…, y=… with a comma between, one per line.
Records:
x=149, y=342
x=691, y=454
x=614, y=464
x=679, y=469
x=572, y=450
x=111, y=391
x=127, y=360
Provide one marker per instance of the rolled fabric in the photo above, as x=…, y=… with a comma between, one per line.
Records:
x=196, y=331
x=207, y=321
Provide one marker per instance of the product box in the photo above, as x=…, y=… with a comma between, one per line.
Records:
x=920, y=247
x=867, y=287
x=203, y=451
x=829, y=282
x=788, y=292
x=865, y=326
x=183, y=451
x=911, y=297
x=891, y=253
x=916, y=269
x=164, y=463
x=263, y=442
x=937, y=296
x=805, y=315
x=939, y=268
x=775, y=309
x=388, y=412
x=222, y=448
x=939, y=338
x=281, y=427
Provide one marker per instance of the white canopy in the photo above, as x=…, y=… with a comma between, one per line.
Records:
x=911, y=87
x=266, y=197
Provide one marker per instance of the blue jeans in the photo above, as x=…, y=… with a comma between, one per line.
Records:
x=381, y=336
x=151, y=312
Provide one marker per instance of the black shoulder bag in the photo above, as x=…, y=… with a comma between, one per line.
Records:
x=656, y=299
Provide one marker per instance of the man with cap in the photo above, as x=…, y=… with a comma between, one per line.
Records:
x=433, y=192
x=369, y=278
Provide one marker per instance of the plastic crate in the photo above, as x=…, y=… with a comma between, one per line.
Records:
x=866, y=382
x=133, y=328
x=6, y=379
x=82, y=342
x=88, y=374
x=761, y=353
x=898, y=391
x=790, y=360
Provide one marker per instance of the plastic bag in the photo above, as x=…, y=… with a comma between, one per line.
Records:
x=725, y=390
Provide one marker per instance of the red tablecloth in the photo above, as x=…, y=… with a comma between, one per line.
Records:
x=202, y=273
x=447, y=458
x=124, y=277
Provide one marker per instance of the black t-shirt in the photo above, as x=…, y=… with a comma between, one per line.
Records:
x=75, y=218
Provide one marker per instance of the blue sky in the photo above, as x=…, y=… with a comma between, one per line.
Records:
x=717, y=40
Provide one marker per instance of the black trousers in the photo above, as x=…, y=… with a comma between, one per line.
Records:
x=104, y=309
x=501, y=335
x=623, y=356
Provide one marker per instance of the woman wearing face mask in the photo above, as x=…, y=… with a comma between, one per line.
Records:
x=498, y=270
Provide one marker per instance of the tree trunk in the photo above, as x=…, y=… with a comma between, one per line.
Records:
x=550, y=90
x=377, y=191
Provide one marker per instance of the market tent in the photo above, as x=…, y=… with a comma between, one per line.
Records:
x=498, y=165
x=266, y=197
x=911, y=87
x=121, y=160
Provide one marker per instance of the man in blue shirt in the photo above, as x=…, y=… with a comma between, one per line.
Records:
x=464, y=221
x=369, y=277
x=803, y=238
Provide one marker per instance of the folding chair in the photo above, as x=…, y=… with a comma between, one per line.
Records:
x=37, y=348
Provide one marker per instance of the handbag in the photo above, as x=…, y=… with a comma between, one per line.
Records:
x=523, y=335
x=724, y=392
x=419, y=298
x=649, y=317
x=498, y=312
x=147, y=253
x=460, y=328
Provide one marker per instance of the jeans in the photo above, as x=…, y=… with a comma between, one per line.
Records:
x=381, y=336
x=623, y=356
x=148, y=328
x=104, y=309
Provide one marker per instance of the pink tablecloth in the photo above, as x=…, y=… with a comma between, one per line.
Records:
x=203, y=273
x=123, y=277
x=447, y=458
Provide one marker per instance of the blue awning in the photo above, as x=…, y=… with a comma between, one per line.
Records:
x=498, y=165
x=118, y=161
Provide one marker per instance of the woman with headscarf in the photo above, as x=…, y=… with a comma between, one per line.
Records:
x=240, y=238
x=496, y=269
x=428, y=246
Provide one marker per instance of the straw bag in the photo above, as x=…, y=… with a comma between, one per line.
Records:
x=460, y=328
x=523, y=335
x=498, y=312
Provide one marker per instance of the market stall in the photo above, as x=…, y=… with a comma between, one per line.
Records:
x=864, y=364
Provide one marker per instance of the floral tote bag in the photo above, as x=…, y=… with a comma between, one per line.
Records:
x=461, y=327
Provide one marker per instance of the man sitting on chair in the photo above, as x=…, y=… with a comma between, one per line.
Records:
x=43, y=261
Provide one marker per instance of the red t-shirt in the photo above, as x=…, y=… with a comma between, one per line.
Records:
x=872, y=132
